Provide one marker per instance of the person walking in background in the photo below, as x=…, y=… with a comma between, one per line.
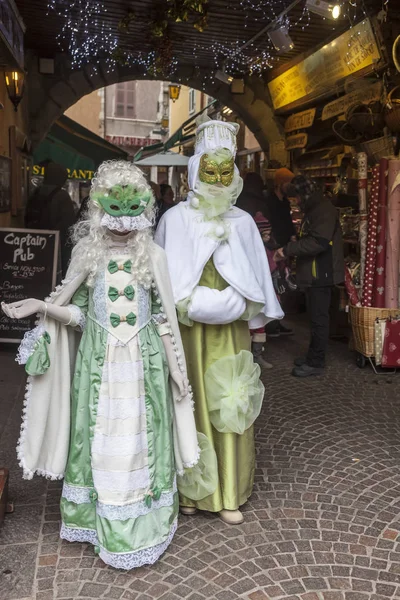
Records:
x=283, y=230
x=252, y=199
x=156, y=191
x=320, y=266
x=166, y=200
x=50, y=207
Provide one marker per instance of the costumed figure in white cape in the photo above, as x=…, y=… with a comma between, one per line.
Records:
x=222, y=286
x=108, y=406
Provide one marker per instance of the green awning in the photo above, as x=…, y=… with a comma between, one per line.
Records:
x=76, y=148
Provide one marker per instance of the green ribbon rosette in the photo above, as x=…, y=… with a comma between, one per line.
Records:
x=234, y=392
x=39, y=360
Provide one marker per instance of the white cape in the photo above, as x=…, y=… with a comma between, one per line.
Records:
x=44, y=441
x=241, y=260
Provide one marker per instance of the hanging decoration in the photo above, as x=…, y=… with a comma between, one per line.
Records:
x=182, y=11
x=125, y=23
x=91, y=37
x=87, y=33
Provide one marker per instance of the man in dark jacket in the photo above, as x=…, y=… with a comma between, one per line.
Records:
x=278, y=212
x=319, y=266
x=251, y=198
x=51, y=207
x=278, y=208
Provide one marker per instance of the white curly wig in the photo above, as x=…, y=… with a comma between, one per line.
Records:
x=91, y=237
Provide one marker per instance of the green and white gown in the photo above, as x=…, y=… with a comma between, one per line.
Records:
x=119, y=490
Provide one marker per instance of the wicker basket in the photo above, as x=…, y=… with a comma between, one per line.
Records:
x=345, y=133
x=366, y=118
x=362, y=321
x=378, y=148
x=392, y=110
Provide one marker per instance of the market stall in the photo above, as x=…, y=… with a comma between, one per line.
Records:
x=340, y=109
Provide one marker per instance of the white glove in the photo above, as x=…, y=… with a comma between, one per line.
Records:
x=214, y=307
x=175, y=372
x=31, y=306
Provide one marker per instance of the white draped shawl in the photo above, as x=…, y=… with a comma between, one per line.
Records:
x=241, y=260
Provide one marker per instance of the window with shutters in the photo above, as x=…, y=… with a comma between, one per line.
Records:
x=125, y=100
x=192, y=101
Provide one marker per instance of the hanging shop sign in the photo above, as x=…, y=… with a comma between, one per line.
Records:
x=364, y=95
x=12, y=32
x=296, y=141
x=300, y=120
x=28, y=268
x=81, y=174
x=351, y=52
x=124, y=140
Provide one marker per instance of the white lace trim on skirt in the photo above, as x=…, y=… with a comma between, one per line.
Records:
x=123, y=445
x=121, y=481
x=122, y=372
x=121, y=408
x=113, y=512
x=125, y=560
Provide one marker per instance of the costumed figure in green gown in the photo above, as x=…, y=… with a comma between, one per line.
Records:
x=108, y=405
x=222, y=286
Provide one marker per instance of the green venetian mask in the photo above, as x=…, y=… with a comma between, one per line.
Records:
x=123, y=201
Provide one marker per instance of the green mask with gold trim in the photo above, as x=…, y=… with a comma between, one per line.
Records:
x=123, y=201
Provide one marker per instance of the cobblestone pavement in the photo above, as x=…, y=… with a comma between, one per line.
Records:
x=322, y=524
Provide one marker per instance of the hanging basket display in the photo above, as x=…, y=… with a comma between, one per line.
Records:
x=234, y=392
x=378, y=148
x=346, y=133
x=392, y=110
x=366, y=118
x=396, y=53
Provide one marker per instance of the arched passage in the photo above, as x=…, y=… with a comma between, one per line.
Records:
x=51, y=97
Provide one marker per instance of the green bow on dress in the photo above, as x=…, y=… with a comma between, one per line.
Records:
x=114, y=294
x=113, y=267
x=116, y=319
x=39, y=360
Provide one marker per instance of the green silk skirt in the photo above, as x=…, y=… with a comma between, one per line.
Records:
x=204, y=344
x=132, y=518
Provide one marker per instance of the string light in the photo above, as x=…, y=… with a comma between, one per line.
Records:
x=92, y=39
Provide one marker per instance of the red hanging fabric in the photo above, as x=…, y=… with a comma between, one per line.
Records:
x=393, y=236
x=351, y=288
x=391, y=344
x=370, y=258
x=378, y=298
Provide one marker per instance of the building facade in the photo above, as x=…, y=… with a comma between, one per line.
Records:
x=15, y=145
x=89, y=112
x=131, y=115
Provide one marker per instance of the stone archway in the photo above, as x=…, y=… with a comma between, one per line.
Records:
x=50, y=97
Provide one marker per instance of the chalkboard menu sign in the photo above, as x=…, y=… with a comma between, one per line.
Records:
x=28, y=268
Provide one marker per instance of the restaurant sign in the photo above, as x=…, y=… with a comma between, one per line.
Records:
x=296, y=141
x=300, y=120
x=362, y=96
x=351, y=52
x=86, y=175
x=125, y=140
